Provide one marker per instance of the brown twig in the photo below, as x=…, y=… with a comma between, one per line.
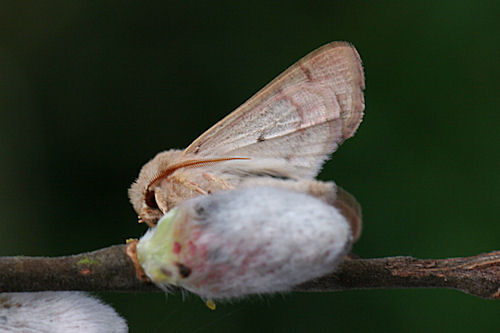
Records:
x=478, y=275
x=113, y=269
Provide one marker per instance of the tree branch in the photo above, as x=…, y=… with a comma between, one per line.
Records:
x=478, y=275
x=115, y=269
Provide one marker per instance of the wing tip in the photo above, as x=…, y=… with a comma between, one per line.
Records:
x=353, y=114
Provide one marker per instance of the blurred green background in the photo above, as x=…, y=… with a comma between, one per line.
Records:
x=92, y=90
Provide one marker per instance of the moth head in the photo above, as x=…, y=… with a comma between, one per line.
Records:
x=146, y=195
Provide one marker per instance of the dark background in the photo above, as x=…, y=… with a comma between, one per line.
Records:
x=89, y=91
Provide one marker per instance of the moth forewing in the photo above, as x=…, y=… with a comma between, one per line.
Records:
x=322, y=91
x=280, y=136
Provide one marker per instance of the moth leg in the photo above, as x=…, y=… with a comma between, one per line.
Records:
x=222, y=184
x=188, y=183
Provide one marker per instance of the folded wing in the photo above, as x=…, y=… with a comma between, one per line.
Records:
x=298, y=119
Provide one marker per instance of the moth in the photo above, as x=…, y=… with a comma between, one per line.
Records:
x=279, y=137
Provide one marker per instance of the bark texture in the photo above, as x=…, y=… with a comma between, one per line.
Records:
x=115, y=269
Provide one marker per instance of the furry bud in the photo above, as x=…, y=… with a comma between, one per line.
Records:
x=57, y=312
x=246, y=241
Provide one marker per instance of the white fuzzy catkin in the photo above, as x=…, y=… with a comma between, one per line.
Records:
x=57, y=312
x=246, y=241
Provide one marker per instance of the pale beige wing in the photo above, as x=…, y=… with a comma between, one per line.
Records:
x=351, y=210
x=298, y=119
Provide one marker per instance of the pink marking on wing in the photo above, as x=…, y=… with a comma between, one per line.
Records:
x=286, y=96
x=306, y=71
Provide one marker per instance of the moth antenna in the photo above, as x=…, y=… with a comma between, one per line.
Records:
x=189, y=164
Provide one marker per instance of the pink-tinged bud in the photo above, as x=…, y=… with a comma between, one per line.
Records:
x=247, y=241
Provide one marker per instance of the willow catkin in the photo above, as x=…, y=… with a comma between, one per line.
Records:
x=246, y=241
